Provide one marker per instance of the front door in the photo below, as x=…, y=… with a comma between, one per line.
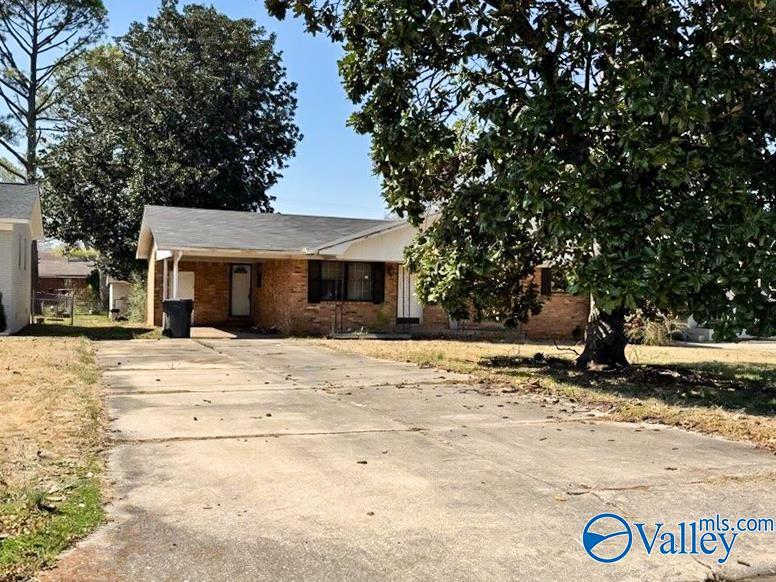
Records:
x=241, y=291
x=409, y=308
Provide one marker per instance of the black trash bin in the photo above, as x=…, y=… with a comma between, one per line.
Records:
x=178, y=312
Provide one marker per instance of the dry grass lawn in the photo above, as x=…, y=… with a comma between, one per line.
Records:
x=729, y=392
x=51, y=435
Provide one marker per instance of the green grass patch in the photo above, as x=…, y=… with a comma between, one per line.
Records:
x=93, y=327
x=44, y=523
x=51, y=427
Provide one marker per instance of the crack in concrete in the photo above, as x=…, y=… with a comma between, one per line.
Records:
x=120, y=441
x=111, y=392
x=710, y=480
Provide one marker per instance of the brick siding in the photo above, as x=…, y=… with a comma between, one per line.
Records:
x=280, y=304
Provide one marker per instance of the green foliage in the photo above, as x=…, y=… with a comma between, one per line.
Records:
x=136, y=300
x=190, y=109
x=88, y=300
x=631, y=144
x=79, y=253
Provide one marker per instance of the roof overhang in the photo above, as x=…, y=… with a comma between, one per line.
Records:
x=35, y=221
x=216, y=253
x=145, y=242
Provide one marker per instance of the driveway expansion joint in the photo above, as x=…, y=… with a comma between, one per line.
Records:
x=120, y=441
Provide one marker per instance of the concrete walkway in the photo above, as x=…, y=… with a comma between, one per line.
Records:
x=274, y=460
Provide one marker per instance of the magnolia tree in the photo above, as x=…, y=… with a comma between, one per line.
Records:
x=629, y=144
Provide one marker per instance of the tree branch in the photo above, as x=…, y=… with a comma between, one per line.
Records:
x=13, y=152
x=11, y=169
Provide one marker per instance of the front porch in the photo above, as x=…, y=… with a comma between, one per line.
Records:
x=279, y=295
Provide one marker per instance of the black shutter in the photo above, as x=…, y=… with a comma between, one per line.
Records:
x=313, y=281
x=546, y=280
x=378, y=282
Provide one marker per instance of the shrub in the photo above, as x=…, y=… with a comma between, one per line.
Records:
x=136, y=300
x=87, y=300
x=655, y=330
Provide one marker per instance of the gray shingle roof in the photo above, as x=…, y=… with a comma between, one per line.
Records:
x=17, y=200
x=63, y=268
x=223, y=229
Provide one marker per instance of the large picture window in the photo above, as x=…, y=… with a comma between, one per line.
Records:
x=343, y=281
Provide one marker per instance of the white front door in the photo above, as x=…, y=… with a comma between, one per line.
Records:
x=410, y=310
x=241, y=291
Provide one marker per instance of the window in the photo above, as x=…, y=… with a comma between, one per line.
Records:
x=259, y=268
x=341, y=281
x=545, y=281
x=359, y=282
x=332, y=276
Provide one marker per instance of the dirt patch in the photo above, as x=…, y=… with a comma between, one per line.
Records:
x=51, y=419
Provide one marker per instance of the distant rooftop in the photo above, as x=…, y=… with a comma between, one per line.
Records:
x=54, y=265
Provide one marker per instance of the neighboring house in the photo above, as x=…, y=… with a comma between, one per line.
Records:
x=21, y=225
x=306, y=275
x=57, y=272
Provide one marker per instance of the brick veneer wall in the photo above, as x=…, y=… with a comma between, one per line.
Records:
x=563, y=316
x=281, y=304
x=211, y=292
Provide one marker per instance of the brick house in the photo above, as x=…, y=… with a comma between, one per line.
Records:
x=57, y=272
x=307, y=275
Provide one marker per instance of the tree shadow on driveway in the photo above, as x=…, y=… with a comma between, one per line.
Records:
x=749, y=388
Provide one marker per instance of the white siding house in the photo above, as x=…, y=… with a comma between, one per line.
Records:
x=20, y=225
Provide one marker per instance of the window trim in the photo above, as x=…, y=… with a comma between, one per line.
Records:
x=315, y=277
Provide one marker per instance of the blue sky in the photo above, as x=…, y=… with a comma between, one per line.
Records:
x=331, y=173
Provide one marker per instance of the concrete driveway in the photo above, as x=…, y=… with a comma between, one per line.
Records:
x=275, y=460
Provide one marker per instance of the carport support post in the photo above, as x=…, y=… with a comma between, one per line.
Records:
x=165, y=291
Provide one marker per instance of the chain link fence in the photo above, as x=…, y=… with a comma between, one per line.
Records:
x=54, y=307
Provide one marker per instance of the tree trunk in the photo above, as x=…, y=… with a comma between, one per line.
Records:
x=32, y=105
x=605, y=340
